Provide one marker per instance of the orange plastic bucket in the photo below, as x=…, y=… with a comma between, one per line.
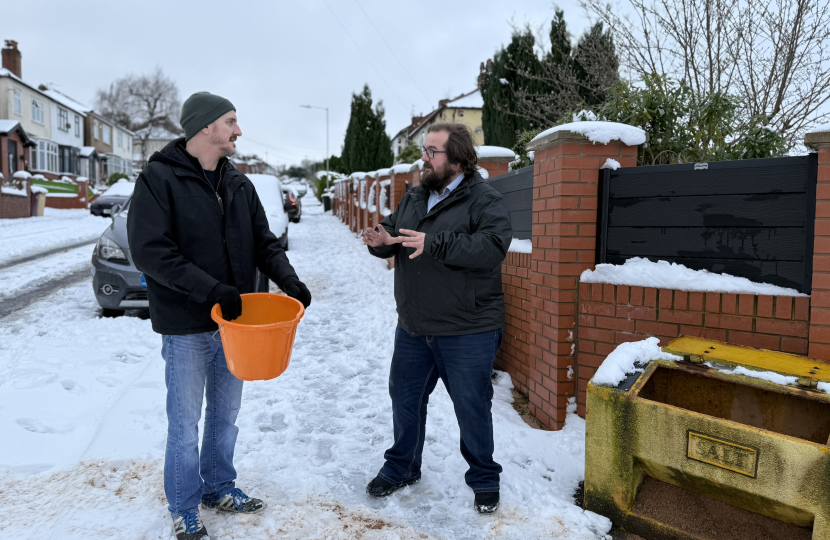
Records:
x=258, y=344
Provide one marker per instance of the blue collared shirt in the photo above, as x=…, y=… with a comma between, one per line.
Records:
x=435, y=197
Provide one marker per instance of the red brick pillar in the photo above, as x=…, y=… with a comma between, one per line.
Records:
x=417, y=167
x=83, y=191
x=495, y=159
x=819, y=346
x=565, y=190
x=400, y=175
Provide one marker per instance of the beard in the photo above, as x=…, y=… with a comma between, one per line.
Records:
x=226, y=146
x=436, y=180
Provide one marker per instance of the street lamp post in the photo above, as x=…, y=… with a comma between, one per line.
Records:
x=328, y=171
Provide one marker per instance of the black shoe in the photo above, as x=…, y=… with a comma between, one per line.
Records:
x=379, y=487
x=487, y=503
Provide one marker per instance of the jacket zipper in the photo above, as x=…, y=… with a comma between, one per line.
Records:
x=216, y=191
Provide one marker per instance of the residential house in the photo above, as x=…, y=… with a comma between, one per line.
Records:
x=67, y=117
x=464, y=109
x=112, y=144
x=26, y=104
x=148, y=141
x=13, y=144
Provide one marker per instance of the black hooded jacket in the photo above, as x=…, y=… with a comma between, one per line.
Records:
x=454, y=286
x=185, y=237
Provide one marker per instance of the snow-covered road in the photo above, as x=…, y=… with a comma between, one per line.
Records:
x=83, y=425
x=55, y=229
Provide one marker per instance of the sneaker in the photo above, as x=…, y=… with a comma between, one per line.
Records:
x=237, y=502
x=487, y=503
x=379, y=487
x=189, y=526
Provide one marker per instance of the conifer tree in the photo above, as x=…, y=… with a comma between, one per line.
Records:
x=500, y=79
x=367, y=146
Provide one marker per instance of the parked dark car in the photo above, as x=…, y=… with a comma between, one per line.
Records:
x=117, y=283
x=117, y=194
x=293, y=204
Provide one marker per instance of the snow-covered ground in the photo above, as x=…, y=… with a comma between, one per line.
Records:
x=22, y=277
x=83, y=424
x=55, y=229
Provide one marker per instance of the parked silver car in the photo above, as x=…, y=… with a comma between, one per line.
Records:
x=117, y=283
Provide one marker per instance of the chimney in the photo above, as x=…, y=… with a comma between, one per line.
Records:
x=12, y=58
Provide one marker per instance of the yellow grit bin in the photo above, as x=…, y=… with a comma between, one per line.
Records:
x=687, y=451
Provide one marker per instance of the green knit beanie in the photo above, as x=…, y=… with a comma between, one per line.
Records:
x=202, y=109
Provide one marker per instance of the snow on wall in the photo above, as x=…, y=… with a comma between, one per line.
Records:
x=372, y=206
x=630, y=358
x=483, y=172
x=521, y=246
x=13, y=191
x=403, y=168
x=600, y=132
x=383, y=172
x=612, y=164
x=820, y=129
x=641, y=272
x=494, y=152
x=384, y=200
x=419, y=164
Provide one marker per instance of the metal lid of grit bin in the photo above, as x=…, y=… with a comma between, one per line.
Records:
x=809, y=371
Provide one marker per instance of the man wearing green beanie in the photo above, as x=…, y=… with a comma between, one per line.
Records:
x=199, y=234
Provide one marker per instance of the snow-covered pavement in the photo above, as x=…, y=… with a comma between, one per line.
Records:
x=83, y=426
x=55, y=229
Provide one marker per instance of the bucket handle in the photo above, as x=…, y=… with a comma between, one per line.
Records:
x=217, y=331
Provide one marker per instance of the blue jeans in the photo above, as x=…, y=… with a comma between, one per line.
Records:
x=465, y=364
x=196, y=367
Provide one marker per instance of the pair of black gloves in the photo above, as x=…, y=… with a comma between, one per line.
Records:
x=228, y=298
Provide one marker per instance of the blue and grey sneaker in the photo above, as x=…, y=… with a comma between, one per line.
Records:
x=189, y=526
x=237, y=502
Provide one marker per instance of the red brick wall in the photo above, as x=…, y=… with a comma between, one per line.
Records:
x=614, y=314
x=513, y=354
x=820, y=317
x=79, y=201
x=494, y=168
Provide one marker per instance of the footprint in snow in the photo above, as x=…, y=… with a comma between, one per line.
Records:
x=36, y=426
x=108, y=381
x=275, y=423
x=30, y=381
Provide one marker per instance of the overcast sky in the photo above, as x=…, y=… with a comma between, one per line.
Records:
x=269, y=57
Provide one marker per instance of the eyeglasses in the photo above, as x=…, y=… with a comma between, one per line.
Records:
x=431, y=153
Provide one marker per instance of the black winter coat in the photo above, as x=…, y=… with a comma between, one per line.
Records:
x=454, y=286
x=186, y=240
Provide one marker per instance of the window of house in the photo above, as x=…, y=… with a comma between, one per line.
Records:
x=63, y=119
x=77, y=126
x=47, y=156
x=120, y=140
x=37, y=111
x=18, y=103
x=69, y=160
x=107, y=135
x=95, y=129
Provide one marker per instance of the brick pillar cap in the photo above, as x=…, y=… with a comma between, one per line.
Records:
x=818, y=137
x=495, y=154
x=417, y=165
x=596, y=132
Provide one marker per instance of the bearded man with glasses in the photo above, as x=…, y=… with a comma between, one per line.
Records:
x=449, y=237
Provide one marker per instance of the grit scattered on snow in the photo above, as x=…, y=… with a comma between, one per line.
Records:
x=665, y=275
x=83, y=424
x=630, y=358
x=521, y=246
x=56, y=228
x=601, y=132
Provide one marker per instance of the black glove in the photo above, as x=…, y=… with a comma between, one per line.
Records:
x=295, y=288
x=228, y=299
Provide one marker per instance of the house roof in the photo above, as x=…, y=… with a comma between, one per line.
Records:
x=67, y=101
x=6, y=73
x=470, y=100
x=87, y=151
x=9, y=126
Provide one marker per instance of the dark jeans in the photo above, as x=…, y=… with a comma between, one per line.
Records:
x=465, y=364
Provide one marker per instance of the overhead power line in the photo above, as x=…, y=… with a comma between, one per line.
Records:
x=395, y=56
x=365, y=56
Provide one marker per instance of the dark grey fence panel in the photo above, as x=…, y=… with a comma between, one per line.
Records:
x=749, y=218
x=517, y=189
